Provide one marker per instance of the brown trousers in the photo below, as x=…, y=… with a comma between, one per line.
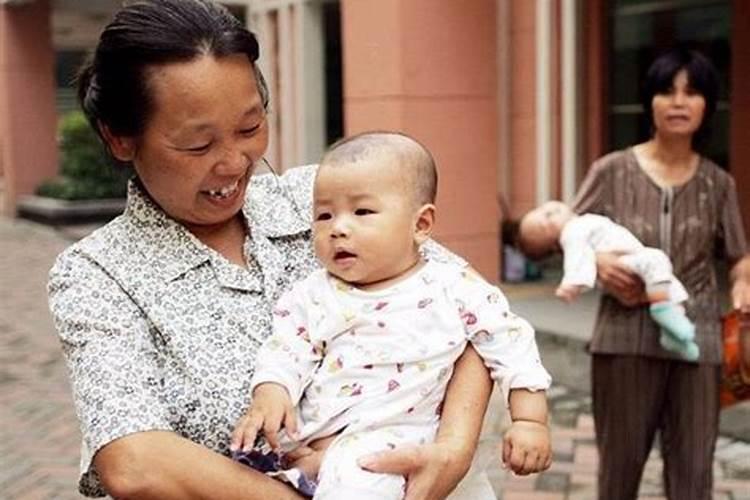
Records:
x=633, y=397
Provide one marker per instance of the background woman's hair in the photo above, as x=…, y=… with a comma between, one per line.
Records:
x=113, y=83
x=702, y=77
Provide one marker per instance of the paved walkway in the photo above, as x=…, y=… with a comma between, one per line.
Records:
x=39, y=438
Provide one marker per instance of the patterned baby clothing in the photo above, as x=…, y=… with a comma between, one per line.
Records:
x=373, y=366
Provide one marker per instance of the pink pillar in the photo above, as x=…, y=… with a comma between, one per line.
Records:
x=523, y=125
x=28, y=152
x=429, y=69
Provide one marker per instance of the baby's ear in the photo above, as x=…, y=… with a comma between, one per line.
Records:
x=425, y=221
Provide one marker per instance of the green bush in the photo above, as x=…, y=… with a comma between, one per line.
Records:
x=85, y=171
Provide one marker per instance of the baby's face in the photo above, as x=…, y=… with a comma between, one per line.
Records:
x=542, y=226
x=364, y=222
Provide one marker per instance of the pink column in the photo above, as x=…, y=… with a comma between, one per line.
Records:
x=523, y=157
x=27, y=99
x=429, y=69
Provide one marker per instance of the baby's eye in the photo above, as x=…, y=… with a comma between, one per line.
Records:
x=323, y=216
x=363, y=211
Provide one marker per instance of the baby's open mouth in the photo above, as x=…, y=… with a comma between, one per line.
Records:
x=343, y=254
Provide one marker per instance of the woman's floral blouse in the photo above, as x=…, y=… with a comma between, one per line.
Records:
x=159, y=331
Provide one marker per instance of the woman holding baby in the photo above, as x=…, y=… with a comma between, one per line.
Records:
x=673, y=198
x=161, y=312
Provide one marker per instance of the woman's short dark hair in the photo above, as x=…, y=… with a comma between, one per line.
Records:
x=702, y=77
x=113, y=83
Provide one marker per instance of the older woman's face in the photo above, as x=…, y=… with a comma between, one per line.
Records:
x=207, y=130
x=680, y=109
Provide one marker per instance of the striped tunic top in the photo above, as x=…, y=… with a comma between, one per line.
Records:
x=696, y=223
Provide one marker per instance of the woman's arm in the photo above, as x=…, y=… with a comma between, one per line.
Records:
x=162, y=465
x=740, y=279
x=434, y=470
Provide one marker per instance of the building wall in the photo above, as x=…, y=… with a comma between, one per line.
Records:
x=463, y=77
x=429, y=69
x=27, y=100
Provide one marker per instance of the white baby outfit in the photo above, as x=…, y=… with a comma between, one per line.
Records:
x=585, y=235
x=374, y=365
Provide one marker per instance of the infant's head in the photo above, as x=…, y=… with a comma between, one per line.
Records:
x=373, y=206
x=540, y=228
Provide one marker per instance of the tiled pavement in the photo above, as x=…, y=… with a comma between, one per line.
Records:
x=573, y=471
x=39, y=436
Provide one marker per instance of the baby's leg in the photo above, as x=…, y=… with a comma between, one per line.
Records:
x=655, y=268
x=340, y=476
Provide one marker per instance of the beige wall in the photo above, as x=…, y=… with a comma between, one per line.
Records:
x=429, y=69
x=27, y=99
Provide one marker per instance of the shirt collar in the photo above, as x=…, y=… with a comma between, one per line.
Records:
x=276, y=207
x=171, y=248
x=272, y=209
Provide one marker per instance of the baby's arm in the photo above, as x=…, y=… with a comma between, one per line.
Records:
x=507, y=345
x=526, y=445
x=579, y=259
x=283, y=368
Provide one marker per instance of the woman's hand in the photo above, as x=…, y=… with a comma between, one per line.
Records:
x=740, y=277
x=432, y=470
x=618, y=280
x=741, y=296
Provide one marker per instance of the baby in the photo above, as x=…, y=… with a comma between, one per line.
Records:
x=362, y=350
x=553, y=226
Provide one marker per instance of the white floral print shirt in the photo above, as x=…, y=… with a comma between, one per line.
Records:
x=159, y=331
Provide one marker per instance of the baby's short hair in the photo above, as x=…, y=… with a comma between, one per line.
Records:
x=414, y=159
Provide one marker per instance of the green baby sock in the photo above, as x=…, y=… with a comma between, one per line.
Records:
x=688, y=350
x=672, y=319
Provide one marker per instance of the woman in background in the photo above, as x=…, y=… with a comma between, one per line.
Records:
x=673, y=198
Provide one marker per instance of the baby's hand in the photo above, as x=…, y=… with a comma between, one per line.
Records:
x=526, y=447
x=271, y=407
x=568, y=293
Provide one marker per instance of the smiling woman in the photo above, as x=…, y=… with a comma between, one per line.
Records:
x=161, y=312
x=197, y=160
